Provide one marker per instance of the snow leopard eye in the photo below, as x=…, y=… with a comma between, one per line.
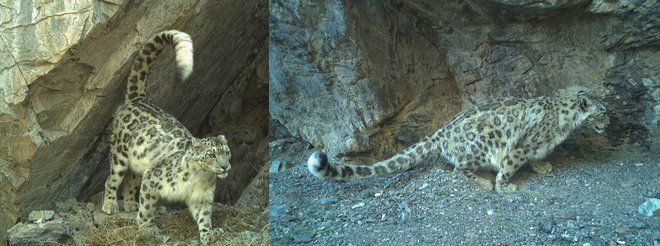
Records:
x=210, y=154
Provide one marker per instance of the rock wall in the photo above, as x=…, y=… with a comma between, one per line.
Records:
x=66, y=75
x=365, y=78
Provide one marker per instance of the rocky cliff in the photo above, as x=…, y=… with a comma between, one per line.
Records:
x=64, y=75
x=366, y=78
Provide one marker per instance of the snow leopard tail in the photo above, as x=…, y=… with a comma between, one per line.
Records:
x=145, y=58
x=318, y=165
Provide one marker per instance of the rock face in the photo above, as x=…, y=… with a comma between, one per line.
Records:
x=68, y=62
x=363, y=79
x=57, y=231
x=255, y=196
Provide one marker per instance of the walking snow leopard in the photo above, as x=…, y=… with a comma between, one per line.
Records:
x=150, y=145
x=500, y=135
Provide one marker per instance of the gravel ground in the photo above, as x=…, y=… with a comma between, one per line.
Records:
x=584, y=201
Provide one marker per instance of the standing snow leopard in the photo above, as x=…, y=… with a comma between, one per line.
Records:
x=500, y=135
x=151, y=145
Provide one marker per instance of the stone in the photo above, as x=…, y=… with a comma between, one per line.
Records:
x=275, y=166
x=163, y=238
x=55, y=231
x=650, y=207
x=328, y=215
x=41, y=215
x=303, y=237
x=541, y=167
x=278, y=210
x=620, y=229
x=329, y=200
x=403, y=205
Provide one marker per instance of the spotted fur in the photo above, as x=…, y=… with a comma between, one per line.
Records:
x=500, y=135
x=152, y=150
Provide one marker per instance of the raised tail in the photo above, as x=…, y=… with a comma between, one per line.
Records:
x=142, y=63
x=412, y=156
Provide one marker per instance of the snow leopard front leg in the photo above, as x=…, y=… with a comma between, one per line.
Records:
x=507, y=168
x=200, y=204
x=201, y=212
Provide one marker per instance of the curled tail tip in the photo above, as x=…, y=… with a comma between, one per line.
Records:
x=183, y=73
x=142, y=63
x=317, y=162
x=184, y=56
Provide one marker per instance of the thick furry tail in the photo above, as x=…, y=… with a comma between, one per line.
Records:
x=145, y=58
x=318, y=165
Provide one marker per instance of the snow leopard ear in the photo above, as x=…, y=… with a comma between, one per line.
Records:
x=583, y=100
x=221, y=139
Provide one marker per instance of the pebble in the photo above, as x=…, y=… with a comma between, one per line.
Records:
x=650, y=207
x=508, y=205
x=620, y=229
x=275, y=166
x=303, y=238
x=570, y=224
x=328, y=215
x=546, y=225
x=163, y=238
x=403, y=205
x=329, y=200
x=278, y=210
x=637, y=225
x=628, y=183
x=361, y=204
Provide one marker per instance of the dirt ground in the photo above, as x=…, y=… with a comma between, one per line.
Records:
x=590, y=198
